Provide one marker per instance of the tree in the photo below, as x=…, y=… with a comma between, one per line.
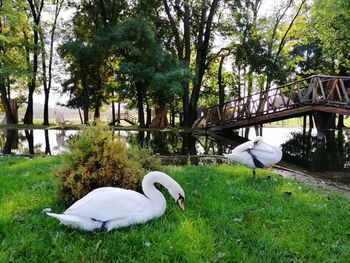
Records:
x=282, y=27
x=187, y=31
x=88, y=52
x=140, y=56
x=32, y=53
x=166, y=89
x=47, y=69
x=330, y=20
x=13, y=22
x=86, y=82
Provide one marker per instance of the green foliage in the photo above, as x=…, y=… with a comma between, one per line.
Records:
x=96, y=159
x=138, y=49
x=144, y=157
x=145, y=67
x=14, y=37
x=330, y=21
x=168, y=82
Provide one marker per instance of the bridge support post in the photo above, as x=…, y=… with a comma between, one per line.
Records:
x=304, y=125
x=324, y=121
x=340, y=124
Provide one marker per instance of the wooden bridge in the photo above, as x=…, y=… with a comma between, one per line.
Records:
x=122, y=116
x=316, y=93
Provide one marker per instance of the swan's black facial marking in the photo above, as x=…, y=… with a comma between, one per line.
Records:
x=181, y=202
x=181, y=198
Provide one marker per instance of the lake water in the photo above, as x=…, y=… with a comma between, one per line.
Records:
x=328, y=159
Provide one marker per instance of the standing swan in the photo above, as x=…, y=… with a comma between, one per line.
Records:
x=107, y=208
x=256, y=154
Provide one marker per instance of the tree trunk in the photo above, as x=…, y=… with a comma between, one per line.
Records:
x=148, y=115
x=28, y=117
x=46, y=107
x=10, y=119
x=203, y=40
x=221, y=86
x=86, y=95
x=45, y=82
x=141, y=115
x=36, y=8
x=161, y=119
x=118, y=119
x=172, y=117
x=183, y=49
x=187, y=44
x=113, y=114
x=81, y=118
x=86, y=116
x=97, y=113
x=47, y=88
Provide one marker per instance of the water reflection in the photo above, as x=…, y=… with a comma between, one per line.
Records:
x=34, y=142
x=30, y=140
x=331, y=156
x=47, y=143
x=11, y=141
x=61, y=140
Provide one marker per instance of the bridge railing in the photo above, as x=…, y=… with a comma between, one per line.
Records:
x=130, y=118
x=317, y=89
x=123, y=116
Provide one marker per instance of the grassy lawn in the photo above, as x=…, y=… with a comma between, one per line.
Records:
x=228, y=218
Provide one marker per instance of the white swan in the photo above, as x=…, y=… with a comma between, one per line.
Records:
x=107, y=208
x=256, y=154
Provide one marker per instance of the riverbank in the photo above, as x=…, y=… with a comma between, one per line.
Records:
x=310, y=180
x=229, y=217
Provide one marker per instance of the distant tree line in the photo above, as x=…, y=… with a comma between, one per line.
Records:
x=165, y=55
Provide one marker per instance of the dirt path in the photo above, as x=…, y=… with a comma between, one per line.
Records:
x=309, y=180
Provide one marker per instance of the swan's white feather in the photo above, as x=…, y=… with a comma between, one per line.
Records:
x=266, y=154
x=107, y=203
x=110, y=207
x=77, y=221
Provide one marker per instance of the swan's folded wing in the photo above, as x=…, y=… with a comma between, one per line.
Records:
x=92, y=195
x=110, y=204
x=267, y=154
x=243, y=147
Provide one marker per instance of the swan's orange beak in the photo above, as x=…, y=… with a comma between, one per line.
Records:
x=181, y=203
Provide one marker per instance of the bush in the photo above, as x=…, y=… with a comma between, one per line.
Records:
x=96, y=159
x=144, y=156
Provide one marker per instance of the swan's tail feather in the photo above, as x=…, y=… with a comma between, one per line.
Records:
x=76, y=221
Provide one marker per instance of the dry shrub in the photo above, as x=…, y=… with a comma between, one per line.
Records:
x=96, y=159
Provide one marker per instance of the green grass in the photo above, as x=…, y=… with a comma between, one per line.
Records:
x=298, y=122
x=229, y=218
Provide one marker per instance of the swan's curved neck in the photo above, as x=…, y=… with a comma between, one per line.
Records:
x=156, y=197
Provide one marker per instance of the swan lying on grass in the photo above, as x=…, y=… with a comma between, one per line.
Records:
x=255, y=154
x=107, y=208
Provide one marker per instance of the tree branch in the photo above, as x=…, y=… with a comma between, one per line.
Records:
x=282, y=43
x=176, y=33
